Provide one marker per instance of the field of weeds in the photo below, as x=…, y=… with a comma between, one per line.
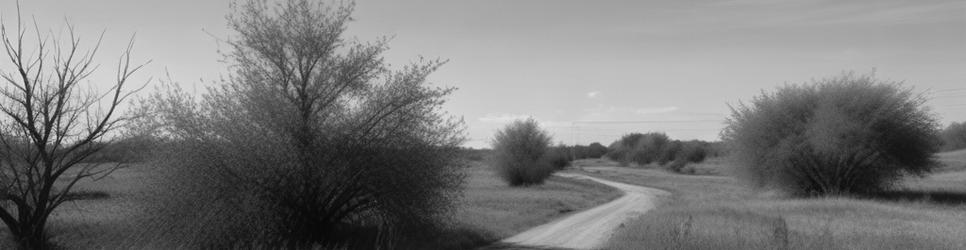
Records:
x=106, y=211
x=718, y=212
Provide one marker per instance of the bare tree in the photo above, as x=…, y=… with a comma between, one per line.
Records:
x=49, y=123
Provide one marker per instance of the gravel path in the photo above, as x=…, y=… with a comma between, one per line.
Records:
x=591, y=228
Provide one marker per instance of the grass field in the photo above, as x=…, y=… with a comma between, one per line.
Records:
x=718, y=212
x=488, y=211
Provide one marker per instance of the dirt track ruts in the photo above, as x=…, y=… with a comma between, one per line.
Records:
x=591, y=228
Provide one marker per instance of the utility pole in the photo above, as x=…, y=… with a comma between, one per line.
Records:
x=573, y=140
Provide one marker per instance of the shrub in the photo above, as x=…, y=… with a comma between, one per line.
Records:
x=519, y=152
x=342, y=152
x=685, y=153
x=694, y=151
x=670, y=152
x=639, y=148
x=559, y=156
x=954, y=136
x=595, y=150
x=847, y=134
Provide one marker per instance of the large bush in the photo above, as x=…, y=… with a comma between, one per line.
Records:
x=644, y=149
x=560, y=156
x=521, y=153
x=639, y=148
x=594, y=150
x=310, y=142
x=954, y=136
x=847, y=134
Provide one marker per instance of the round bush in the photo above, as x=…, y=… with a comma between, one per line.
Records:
x=520, y=151
x=847, y=134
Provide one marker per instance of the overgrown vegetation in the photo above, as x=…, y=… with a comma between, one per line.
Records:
x=310, y=142
x=561, y=156
x=846, y=134
x=522, y=153
x=50, y=122
x=719, y=212
x=954, y=136
x=674, y=155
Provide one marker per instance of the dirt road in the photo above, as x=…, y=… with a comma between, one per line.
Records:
x=591, y=228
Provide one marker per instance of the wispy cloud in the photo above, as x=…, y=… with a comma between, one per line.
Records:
x=593, y=94
x=656, y=110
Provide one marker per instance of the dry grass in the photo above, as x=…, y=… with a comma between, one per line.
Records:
x=489, y=210
x=953, y=160
x=502, y=211
x=717, y=212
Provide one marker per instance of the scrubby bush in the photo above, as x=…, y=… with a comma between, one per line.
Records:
x=847, y=134
x=670, y=152
x=694, y=151
x=520, y=153
x=559, y=156
x=638, y=148
x=594, y=150
x=658, y=148
x=310, y=142
x=954, y=136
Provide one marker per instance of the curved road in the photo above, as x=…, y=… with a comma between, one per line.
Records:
x=591, y=228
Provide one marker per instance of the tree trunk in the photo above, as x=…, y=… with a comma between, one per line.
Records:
x=31, y=236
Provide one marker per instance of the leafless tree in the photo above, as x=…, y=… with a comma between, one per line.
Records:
x=49, y=123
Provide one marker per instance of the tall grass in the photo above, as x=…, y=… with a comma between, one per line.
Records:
x=807, y=224
x=717, y=212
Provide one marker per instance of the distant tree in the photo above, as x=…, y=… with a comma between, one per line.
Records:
x=560, y=156
x=521, y=153
x=847, y=134
x=954, y=136
x=50, y=123
x=639, y=148
x=596, y=150
x=312, y=141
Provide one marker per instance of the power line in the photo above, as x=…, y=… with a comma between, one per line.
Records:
x=948, y=96
x=949, y=90
x=645, y=121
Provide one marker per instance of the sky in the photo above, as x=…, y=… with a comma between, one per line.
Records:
x=589, y=71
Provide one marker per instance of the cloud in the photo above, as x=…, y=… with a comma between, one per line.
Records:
x=657, y=110
x=593, y=94
x=502, y=118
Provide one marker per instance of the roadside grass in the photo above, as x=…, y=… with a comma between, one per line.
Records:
x=718, y=212
x=953, y=161
x=106, y=213
x=710, y=166
x=498, y=211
